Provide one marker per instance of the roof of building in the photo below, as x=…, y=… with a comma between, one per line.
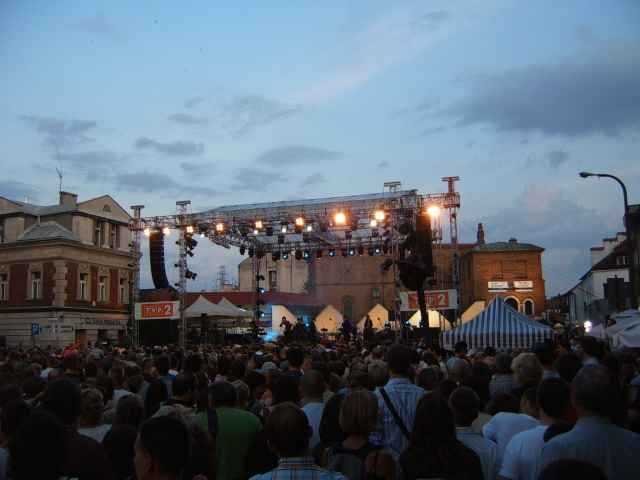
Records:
x=44, y=210
x=46, y=231
x=609, y=262
x=511, y=246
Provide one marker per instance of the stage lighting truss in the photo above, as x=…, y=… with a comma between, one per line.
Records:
x=359, y=224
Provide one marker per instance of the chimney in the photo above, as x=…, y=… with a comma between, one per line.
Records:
x=68, y=199
x=480, y=235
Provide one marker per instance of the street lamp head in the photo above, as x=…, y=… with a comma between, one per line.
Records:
x=587, y=174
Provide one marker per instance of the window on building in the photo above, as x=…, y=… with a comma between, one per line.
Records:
x=1, y=231
x=97, y=234
x=621, y=260
x=273, y=280
x=122, y=291
x=36, y=285
x=528, y=307
x=4, y=286
x=83, y=286
x=347, y=307
x=112, y=236
x=375, y=294
x=513, y=303
x=102, y=289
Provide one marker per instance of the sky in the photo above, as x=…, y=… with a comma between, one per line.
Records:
x=239, y=102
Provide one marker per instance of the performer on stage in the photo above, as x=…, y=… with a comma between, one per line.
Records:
x=287, y=326
x=368, y=331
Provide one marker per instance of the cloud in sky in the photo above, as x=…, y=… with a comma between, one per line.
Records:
x=596, y=95
x=557, y=158
x=59, y=132
x=296, y=155
x=243, y=114
x=99, y=25
x=153, y=182
x=383, y=164
x=188, y=119
x=96, y=165
x=193, y=102
x=252, y=179
x=391, y=39
x=313, y=179
x=19, y=191
x=197, y=170
x=178, y=148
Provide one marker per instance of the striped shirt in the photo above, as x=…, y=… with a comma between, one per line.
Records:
x=298, y=468
x=404, y=396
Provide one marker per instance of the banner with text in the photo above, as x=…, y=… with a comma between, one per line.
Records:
x=436, y=300
x=158, y=310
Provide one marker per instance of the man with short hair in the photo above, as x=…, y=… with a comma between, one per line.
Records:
x=595, y=439
x=398, y=401
x=312, y=387
x=505, y=425
x=522, y=455
x=465, y=406
x=181, y=403
x=161, y=449
x=85, y=458
x=288, y=433
x=460, y=352
x=295, y=359
x=235, y=432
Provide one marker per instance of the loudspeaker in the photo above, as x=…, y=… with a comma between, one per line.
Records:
x=156, y=259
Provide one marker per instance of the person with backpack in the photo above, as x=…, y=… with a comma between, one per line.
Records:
x=356, y=457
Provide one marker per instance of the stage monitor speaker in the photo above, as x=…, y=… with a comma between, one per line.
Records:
x=156, y=259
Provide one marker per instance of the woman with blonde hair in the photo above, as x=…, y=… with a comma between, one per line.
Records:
x=355, y=457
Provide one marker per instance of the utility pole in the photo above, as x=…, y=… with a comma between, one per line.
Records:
x=136, y=255
x=182, y=268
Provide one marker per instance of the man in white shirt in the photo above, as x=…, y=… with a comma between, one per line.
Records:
x=505, y=425
x=465, y=404
x=522, y=455
x=312, y=387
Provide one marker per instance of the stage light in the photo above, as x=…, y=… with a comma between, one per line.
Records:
x=166, y=231
x=433, y=211
x=189, y=229
x=284, y=227
x=202, y=235
x=588, y=326
x=360, y=250
x=352, y=251
x=332, y=253
x=285, y=256
x=309, y=228
x=377, y=250
x=275, y=256
x=220, y=227
x=258, y=225
x=306, y=254
x=256, y=231
x=373, y=223
x=340, y=218
x=147, y=232
x=379, y=215
x=300, y=222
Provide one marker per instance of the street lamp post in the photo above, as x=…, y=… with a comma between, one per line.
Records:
x=631, y=257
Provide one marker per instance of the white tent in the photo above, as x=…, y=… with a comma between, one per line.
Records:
x=232, y=310
x=277, y=312
x=202, y=306
x=598, y=331
x=379, y=317
x=435, y=319
x=626, y=331
x=329, y=320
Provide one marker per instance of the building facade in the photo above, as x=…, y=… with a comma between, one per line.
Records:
x=66, y=271
x=605, y=288
x=511, y=270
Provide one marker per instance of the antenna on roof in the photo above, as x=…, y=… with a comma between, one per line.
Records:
x=59, y=172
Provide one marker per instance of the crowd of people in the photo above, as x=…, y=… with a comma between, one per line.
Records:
x=320, y=411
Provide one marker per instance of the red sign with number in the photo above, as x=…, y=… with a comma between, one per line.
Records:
x=157, y=310
x=435, y=299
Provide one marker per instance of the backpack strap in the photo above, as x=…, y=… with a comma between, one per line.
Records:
x=394, y=413
x=212, y=422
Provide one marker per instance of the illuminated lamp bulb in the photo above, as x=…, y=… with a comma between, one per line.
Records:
x=166, y=231
x=340, y=218
x=283, y=229
x=433, y=211
x=147, y=232
x=189, y=229
x=379, y=215
x=259, y=225
x=300, y=222
x=219, y=227
x=309, y=228
x=373, y=223
x=256, y=231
